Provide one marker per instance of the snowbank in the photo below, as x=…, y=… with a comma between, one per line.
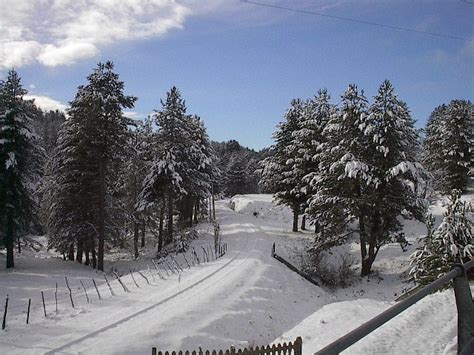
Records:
x=261, y=206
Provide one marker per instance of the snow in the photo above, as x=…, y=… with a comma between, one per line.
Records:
x=11, y=161
x=245, y=298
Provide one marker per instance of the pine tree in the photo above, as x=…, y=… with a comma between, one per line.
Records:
x=452, y=242
x=199, y=169
x=340, y=184
x=449, y=145
x=95, y=144
x=398, y=180
x=236, y=177
x=69, y=196
x=139, y=152
x=19, y=156
x=308, y=138
x=280, y=171
x=164, y=180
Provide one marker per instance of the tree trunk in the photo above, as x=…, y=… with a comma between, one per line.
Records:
x=94, y=257
x=303, y=223
x=196, y=211
x=169, y=237
x=100, y=256
x=213, y=205
x=143, y=224
x=9, y=241
x=160, y=227
x=135, y=238
x=80, y=251
x=19, y=246
x=70, y=254
x=87, y=247
x=295, y=219
x=209, y=205
x=366, y=263
x=190, y=211
x=317, y=227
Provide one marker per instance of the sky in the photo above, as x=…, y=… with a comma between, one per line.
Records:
x=237, y=64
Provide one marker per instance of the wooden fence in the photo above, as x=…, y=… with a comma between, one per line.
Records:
x=292, y=348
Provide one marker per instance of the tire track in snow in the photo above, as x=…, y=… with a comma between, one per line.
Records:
x=155, y=305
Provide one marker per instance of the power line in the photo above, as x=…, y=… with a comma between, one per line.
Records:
x=349, y=19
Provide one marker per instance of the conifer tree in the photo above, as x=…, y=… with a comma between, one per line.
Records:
x=19, y=156
x=398, y=182
x=97, y=134
x=340, y=184
x=452, y=242
x=308, y=138
x=368, y=173
x=280, y=171
x=164, y=180
x=449, y=147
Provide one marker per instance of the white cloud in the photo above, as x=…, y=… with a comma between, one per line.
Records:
x=133, y=115
x=18, y=53
x=66, y=54
x=61, y=32
x=46, y=103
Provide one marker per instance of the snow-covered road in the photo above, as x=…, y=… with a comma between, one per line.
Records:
x=245, y=298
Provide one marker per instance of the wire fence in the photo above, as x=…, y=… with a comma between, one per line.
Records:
x=76, y=292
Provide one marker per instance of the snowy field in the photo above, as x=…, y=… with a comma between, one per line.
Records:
x=245, y=298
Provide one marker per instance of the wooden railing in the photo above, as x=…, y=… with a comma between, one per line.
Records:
x=292, y=348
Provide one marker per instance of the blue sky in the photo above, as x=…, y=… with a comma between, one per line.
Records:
x=238, y=65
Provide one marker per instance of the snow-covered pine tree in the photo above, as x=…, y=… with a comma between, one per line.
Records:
x=19, y=157
x=200, y=169
x=139, y=153
x=449, y=145
x=99, y=134
x=309, y=137
x=452, y=242
x=68, y=195
x=398, y=180
x=164, y=179
x=280, y=172
x=433, y=148
x=339, y=188
x=237, y=175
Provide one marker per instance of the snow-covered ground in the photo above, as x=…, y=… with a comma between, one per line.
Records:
x=244, y=298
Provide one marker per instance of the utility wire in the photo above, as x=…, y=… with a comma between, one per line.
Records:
x=349, y=19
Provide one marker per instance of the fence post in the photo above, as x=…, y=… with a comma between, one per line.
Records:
x=125, y=288
x=56, y=297
x=44, y=306
x=142, y=275
x=108, y=284
x=133, y=278
x=70, y=292
x=85, y=291
x=465, y=307
x=298, y=346
x=95, y=285
x=28, y=312
x=4, y=322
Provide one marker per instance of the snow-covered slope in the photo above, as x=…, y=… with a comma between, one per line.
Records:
x=245, y=298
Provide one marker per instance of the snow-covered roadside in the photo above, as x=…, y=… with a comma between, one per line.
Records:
x=411, y=333
x=245, y=298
